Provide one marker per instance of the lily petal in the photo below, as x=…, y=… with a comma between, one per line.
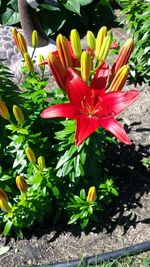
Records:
x=76, y=88
x=67, y=110
x=85, y=127
x=116, y=129
x=116, y=102
x=99, y=81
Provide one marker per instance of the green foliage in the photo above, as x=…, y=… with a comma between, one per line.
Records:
x=137, y=20
x=68, y=171
x=65, y=15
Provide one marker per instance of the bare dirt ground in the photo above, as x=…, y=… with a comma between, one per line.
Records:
x=125, y=222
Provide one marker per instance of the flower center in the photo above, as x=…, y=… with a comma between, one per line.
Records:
x=92, y=107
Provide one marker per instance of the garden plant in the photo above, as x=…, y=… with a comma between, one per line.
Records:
x=54, y=140
x=138, y=26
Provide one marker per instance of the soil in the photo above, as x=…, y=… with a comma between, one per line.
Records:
x=125, y=222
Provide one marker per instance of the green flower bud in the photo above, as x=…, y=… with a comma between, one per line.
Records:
x=91, y=40
x=41, y=162
x=34, y=39
x=75, y=43
x=30, y=155
x=18, y=114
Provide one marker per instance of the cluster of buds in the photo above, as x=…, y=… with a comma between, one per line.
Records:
x=22, y=47
x=4, y=204
x=85, y=63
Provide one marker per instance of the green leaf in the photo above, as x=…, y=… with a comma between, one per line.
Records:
x=83, y=214
x=79, y=200
x=7, y=227
x=73, y=6
x=56, y=191
x=85, y=2
x=10, y=17
x=50, y=7
x=5, y=178
x=74, y=218
x=114, y=192
x=82, y=194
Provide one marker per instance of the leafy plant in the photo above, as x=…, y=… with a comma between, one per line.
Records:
x=137, y=21
x=53, y=169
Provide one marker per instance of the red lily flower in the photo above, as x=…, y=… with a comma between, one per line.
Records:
x=92, y=108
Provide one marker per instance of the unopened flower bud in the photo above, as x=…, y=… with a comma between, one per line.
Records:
x=34, y=39
x=21, y=183
x=4, y=205
x=3, y=195
x=18, y=114
x=91, y=194
x=28, y=62
x=119, y=79
x=40, y=60
x=41, y=162
x=86, y=64
x=123, y=56
x=75, y=43
x=14, y=35
x=57, y=70
x=30, y=155
x=99, y=40
x=4, y=110
x=63, y=51
x=105, y=47
x=91, y=40
x=22, y=45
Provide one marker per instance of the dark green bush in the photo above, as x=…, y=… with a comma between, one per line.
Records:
x=67, y=14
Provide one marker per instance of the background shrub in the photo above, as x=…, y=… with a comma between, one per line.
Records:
x=137, y=20
x=80, y=14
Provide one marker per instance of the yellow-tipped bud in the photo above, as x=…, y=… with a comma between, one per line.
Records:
x=63, y=51
x=3, y=195
x=14, y=35
x=28, y=62
x=99, y=40
x=41, y=162
x=123, y=56
x=119, y=79
x=18, y=114
x=30, y=155
x=86, y=65
x=105, y=47
x=34, y=39
x=75, y=43
x=21, y=183
x=4, y=110
x=41, y=59
x=91, y=41
x=4, y=205
x=22, y=45
x=91, y=194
